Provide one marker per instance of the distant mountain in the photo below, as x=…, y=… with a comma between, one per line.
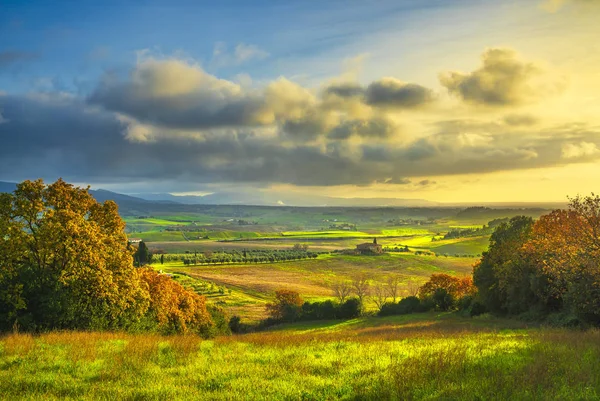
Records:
x=280, y=198
x=103, y=195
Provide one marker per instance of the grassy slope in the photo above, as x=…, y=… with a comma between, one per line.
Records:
x=410, y=357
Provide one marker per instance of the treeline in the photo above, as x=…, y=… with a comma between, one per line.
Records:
x=475, y=232
x=235, y=256
x=66, y=265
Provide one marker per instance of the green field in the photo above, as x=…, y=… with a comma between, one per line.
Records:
x=425, y=356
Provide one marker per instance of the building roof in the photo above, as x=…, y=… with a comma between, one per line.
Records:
x=368, y=245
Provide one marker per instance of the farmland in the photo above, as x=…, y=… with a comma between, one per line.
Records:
x=243, y=288
x=312, y=278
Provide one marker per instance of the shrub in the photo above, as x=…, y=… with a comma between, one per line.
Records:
x=443, y=300
x=320, y=310
x=477, y=308
x=350, y=309
x=404, y=306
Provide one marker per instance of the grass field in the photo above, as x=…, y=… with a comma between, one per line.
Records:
x=425, y=356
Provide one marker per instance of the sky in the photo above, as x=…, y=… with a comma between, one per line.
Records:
x=450, y=101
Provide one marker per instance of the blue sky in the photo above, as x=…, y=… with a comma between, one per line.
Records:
x=73, y=42
x=444, y=100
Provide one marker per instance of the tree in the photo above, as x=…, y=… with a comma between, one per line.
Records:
x=393, y=287
x=379, y=295
x=503, y=265
x=564, y=251
x=342, y=290
x=287, y=305
x=444, y=290
x=65, y=262
x=162, y=259
x=175, y=309
x=142, y=255
x=360, y=286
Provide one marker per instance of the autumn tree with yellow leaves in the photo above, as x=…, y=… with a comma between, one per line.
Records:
x=65, y=264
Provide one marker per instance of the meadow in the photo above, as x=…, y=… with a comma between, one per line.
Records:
x=422, y=356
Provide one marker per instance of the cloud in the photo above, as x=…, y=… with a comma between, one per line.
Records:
x=12, y=57
x=345, y=90
x=384, y=93
x=426, y=183
x=391, y=92
x=244, y=52
x=520, y=119
x=580, y=150
x=50, y=136
x=178, y=95
x=502, y=80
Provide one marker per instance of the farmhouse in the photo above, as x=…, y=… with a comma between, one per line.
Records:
x=369, y=248
x=134, y=240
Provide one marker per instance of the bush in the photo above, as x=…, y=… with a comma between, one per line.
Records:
x=351, y=309
x=477, y=308
x=464, y=303
x=236, y=326
x=403, y=307
x=320, y=310
x=443, y=300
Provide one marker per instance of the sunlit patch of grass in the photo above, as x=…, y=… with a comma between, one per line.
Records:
x=426, y=356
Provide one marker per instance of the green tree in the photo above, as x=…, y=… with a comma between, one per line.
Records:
x=502, y=274
x=142, y=256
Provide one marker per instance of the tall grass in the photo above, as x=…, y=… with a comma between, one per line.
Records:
x=426, y=358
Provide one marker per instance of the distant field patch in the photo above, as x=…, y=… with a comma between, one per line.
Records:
x=325, y=234
x=404, y=232
x=154, y=236
x=472, y=246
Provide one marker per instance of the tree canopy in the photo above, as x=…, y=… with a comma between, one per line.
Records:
x=552, y=265
x=65, y=263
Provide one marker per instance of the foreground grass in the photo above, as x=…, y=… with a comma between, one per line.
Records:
x=416, y=357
